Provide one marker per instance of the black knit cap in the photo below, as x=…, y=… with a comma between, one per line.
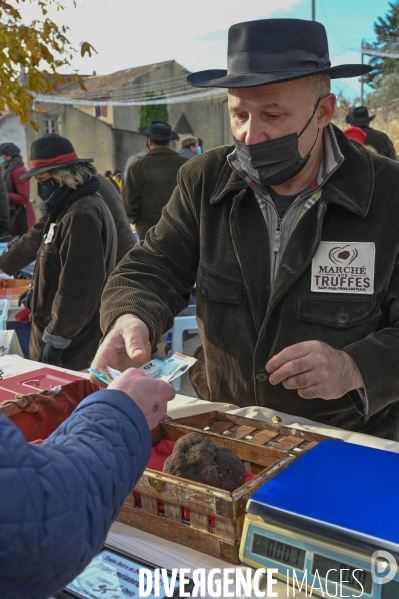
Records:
x=49, y=152
x=270, y=51
x=9, y=149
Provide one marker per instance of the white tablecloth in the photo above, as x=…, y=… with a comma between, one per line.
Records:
x=172, y=555
x=10, y=340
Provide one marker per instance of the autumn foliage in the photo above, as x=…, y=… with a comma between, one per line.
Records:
x=32, y=55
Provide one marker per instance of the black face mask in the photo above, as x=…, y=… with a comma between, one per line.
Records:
x=45, y=189
x=275, y=161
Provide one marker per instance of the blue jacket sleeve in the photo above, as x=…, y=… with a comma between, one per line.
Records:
x=58, y=500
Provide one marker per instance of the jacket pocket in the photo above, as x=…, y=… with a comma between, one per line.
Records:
x=338, y=313
x=215, y=288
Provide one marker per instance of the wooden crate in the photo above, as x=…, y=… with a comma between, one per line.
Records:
x=264, y=448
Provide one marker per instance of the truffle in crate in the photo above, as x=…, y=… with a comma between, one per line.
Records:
x=201, y=516
x=197, y=458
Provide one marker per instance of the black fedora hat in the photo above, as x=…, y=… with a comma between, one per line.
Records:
x=359, y=117
x=49, y=152
x=159, y=131
x=272, y=51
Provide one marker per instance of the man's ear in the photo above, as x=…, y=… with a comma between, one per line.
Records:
x=326, y=110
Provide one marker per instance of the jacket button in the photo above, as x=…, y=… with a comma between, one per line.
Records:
x=342, y=318
x=204, y=290
x=262, y=377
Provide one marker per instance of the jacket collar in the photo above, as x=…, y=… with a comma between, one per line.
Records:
x=164, y=150
x=351, y=185
x=228, y=180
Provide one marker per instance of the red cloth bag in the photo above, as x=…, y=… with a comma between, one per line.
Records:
x=37, y=415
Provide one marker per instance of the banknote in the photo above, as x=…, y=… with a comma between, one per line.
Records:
x=164, y=370
x=171, y=368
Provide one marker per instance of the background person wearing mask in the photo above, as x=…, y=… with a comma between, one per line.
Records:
x=58, y=499
x=24, y=251
x=151, y=179
x=22, y=215
x=189, y=147
x=75, y=259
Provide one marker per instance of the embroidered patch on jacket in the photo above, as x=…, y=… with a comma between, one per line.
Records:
x=340, y=267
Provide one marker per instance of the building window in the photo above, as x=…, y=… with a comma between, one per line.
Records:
x=101, y=111
x=50, y=124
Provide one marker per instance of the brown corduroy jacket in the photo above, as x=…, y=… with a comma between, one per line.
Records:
x=149, y=184
x=24, y=251
x=73, y=264
x=212, y=232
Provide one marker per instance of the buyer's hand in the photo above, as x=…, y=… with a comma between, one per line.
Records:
x=127, y=345
x=315, y=369
x=151, y=395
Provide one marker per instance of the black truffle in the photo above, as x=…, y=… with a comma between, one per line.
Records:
x=196, y=458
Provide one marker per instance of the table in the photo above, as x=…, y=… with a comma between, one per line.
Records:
x=171, y=555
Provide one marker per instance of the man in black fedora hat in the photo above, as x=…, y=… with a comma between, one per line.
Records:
x=378, y=140
x=152, y=178
x=290, y=238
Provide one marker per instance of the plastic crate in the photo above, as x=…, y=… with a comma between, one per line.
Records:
x=4, y=307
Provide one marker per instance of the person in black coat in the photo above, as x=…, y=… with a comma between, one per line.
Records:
x=4, y=211
x=376, y=139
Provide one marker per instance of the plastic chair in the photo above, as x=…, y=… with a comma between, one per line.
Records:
x=181, y=324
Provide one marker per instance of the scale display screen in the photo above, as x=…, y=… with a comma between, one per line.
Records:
x=390, y=590
x=281, y=552
x=323, y=564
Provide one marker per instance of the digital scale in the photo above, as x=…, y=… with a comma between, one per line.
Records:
x=324, y=518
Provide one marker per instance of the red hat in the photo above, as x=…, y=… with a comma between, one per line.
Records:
x=357, y=134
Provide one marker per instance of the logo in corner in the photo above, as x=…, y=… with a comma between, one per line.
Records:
x=383, y=567
x=343, y=255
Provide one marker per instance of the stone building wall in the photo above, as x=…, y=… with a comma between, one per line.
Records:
x=12, y=130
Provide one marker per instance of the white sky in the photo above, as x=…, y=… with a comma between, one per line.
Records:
x=129, y=33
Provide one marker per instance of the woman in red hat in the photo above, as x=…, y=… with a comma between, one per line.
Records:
x=77, y=255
